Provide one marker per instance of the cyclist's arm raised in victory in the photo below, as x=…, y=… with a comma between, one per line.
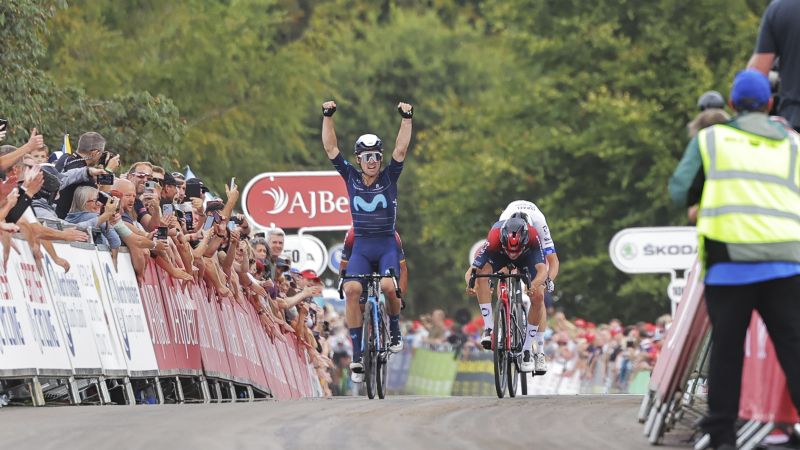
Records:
x=328, y=130
x=404, y=135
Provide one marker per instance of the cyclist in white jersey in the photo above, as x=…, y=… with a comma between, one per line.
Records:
x=537, y=220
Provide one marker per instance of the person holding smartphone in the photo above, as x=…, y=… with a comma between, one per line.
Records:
x=94, y=209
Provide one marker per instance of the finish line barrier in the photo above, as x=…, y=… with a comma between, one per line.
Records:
x=98, y=322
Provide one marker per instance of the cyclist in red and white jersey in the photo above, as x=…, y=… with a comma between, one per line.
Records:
x=512, y=241
x=537, y=220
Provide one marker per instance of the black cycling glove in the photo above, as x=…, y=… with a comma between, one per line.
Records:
x=406, y=115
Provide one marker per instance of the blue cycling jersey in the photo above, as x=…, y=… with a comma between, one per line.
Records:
x=373, y=207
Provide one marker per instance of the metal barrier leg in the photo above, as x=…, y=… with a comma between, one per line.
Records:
x=74, y=392
x=102, y=389
x=217, y=391
x=644, y=408
x=703, y=442
x=35, y=388
x=759, y=436
x=159, y=391
x=747, y=431
x=651, y=418
x=130, y=395
x=179, y=390
x=250, y=395
x=658, y=425
x=204, y=389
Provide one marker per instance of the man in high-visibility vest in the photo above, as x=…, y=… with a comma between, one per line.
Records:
x=741, y=180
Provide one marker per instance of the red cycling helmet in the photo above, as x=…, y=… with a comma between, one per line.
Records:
x=514, y=236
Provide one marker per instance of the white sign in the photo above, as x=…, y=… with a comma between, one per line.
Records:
x=123, y=302
x=675, y=289
x=72, y=309
x=474, y=249
x=305, y=252
x=335, y=257
x=31, y=337
x=654, y=250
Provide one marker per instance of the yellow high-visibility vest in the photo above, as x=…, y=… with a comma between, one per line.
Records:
x=751, y=196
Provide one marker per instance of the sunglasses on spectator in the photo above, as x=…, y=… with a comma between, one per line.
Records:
x=142, y=175
x=371, y=156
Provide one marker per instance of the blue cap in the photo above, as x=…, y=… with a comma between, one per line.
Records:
x=750, y=90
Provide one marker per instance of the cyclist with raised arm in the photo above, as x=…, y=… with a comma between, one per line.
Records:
x=373, y=205
x=512, y=241
x=536, y=219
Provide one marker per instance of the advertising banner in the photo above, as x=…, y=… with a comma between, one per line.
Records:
x=233, y=340
x=284, y=358
x=158, y=322
x=65, y=293
x=125, y=312
x=212, y=344
x=182, y=316
x=297, y=200
x=244, y=321
x=31, y=340
x=276, y=379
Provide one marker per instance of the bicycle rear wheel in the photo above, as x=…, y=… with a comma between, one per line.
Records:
x=500, y=350
x=370, y=356
x=382, y=355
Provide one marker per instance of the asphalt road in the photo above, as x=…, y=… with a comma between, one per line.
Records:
x=401, y=422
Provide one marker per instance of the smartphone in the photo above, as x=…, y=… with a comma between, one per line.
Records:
x=168, y=209
x=188, y=216
x=149, y=187
x=260, y=234
x=104, y=158
x=209, y=222
x=161, y=233
x=231, y=225
x=105, y=179
x=233, y=180
x=3, y=124
x=102, y=197
x=193, y=190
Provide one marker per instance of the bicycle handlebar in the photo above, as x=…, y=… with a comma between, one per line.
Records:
x=369, y=278
x=525, y=277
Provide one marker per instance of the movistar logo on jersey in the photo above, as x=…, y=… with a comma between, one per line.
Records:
x=359, y=204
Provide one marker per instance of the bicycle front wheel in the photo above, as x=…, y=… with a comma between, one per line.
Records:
x=500, y=350
x=382, y=359
x=370, y=357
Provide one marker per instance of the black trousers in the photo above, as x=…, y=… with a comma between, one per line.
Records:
x=730, y=309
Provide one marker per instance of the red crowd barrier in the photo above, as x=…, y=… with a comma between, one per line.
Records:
x=194, y=331
x=765, y=396
x=682, y=340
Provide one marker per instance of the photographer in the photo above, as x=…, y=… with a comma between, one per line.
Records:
x=85, y=168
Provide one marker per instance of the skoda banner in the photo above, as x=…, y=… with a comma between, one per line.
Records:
x=654, y=250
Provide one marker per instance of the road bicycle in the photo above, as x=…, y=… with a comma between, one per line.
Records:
x=510, y=326
x=375, y=336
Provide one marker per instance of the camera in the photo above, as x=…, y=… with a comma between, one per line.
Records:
x=105, y=158
x=102, y=197
x=105, y=179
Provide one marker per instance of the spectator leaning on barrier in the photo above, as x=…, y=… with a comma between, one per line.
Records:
x=779, y=37
x=94, y=209
x=746, y=177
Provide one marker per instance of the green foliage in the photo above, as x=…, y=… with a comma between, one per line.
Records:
x=579, y=108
